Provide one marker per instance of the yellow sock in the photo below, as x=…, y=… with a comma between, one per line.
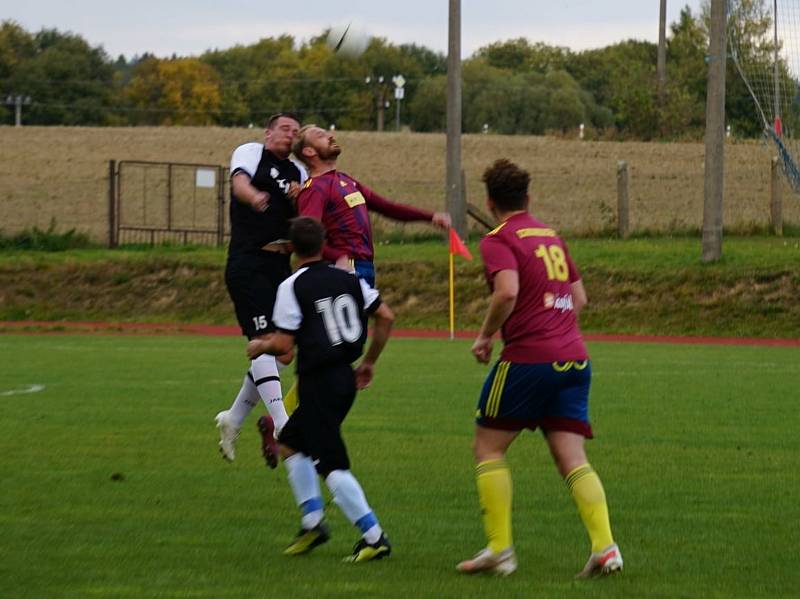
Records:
x=494, y=492
x=587, y=491
x=290, y=400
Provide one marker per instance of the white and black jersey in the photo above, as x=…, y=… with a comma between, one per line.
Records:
x=326, y=309
x=251, y=230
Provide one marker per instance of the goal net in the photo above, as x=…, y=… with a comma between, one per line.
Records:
x=764, y=43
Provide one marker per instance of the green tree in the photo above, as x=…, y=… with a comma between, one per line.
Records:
x=519, y=55
x=622, y=78
x=70, y=82
x=16, y=46
x=427, y=110
x=257, y=80
x=684, y=109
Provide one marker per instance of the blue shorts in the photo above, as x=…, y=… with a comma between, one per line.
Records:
x=552, y=396
x=365, y=270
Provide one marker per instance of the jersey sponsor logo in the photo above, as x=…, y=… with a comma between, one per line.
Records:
x=283, y=184
x=558, y=302
x=354, y=199
x=535, y=232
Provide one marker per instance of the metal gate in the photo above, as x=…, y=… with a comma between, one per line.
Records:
x=157, y=203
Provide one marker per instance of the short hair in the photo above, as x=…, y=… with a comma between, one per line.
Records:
x=300, y=141
x=307, y=236
x=274, y=118
x=507, y=184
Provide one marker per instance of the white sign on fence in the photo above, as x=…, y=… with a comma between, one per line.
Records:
x=205, y=177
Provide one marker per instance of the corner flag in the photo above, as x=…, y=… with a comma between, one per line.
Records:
x=456, y=247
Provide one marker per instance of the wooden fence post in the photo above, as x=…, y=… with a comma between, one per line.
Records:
x=623, y=205
x=776, y=198
x=112, y=203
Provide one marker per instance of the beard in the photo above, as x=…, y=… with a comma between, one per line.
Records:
x=329, y=152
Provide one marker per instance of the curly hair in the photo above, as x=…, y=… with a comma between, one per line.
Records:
x=507, y=184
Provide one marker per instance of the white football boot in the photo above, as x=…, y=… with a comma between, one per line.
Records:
x=602, y=563
x=502, y=563
x=228, y=434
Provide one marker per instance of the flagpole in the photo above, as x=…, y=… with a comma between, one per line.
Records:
x=452, y=298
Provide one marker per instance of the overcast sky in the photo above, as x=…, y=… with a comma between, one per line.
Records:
x=188, y=27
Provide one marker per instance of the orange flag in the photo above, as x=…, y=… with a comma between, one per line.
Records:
x=457, y=246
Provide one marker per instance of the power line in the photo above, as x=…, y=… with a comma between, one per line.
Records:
x=18, y=80
x=265, y=112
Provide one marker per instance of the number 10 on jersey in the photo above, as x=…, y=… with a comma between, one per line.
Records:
x=341, y=318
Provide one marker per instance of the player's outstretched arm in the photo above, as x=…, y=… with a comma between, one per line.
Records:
x=383, y=320
x=442, y=220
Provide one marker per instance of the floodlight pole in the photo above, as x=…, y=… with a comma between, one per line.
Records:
x=715, y=135
x=455, y=187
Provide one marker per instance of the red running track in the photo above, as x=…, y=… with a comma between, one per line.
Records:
x=57, y=327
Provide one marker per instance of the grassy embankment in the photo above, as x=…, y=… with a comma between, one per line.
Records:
x=647, y=286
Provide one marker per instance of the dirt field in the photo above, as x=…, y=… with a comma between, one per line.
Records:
x=61, y=173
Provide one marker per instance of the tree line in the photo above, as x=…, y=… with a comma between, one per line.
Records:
x=512, y=86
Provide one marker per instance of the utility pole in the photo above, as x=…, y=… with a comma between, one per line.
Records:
x=715, y=135
x=455, y=187
x=381, y=103
x=661, y=68
x=777, y=74
x=18, y=101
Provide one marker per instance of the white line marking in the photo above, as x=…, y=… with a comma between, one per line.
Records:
x=23, y=391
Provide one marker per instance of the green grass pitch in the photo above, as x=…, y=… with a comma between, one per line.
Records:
x=697, y=447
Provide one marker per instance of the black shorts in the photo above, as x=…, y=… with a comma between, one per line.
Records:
x=315, y=427
x=252, y=281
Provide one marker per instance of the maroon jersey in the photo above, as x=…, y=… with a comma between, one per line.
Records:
x=542, y=327
x=342, y=204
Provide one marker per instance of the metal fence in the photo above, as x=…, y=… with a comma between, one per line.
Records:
x=167, y=202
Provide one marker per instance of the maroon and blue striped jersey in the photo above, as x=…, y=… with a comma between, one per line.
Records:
x=343, y=204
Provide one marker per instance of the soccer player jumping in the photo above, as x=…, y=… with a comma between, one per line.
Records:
x=343, y=204
x=542, y=378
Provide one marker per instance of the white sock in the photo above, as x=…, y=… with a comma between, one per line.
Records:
x=245, y=401
x=349, y=496
x=305, y=487
x=268, y=382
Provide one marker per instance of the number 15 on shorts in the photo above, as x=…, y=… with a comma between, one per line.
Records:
x=260, y=322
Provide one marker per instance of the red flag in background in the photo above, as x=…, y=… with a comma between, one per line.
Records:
x=457, y=246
